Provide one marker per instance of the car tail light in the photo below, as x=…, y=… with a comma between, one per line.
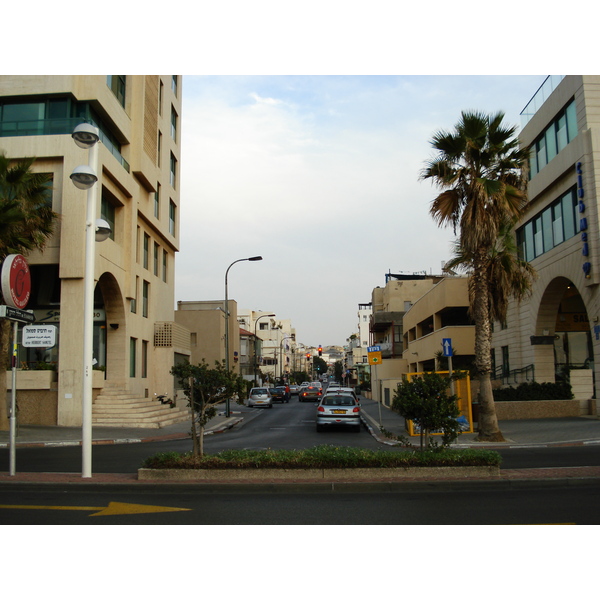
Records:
x=356, y=409
x=321, y=409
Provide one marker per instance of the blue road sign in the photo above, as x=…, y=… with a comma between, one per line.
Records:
x=447, y=346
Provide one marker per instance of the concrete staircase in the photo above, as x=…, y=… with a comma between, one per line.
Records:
x=115, y=407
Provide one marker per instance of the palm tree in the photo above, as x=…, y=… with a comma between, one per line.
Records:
x=26, y=224
x=479, y=168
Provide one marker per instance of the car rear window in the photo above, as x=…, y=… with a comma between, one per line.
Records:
x=338, y=401
x=259, y=391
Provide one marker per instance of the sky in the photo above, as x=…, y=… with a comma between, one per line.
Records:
x=319, y=175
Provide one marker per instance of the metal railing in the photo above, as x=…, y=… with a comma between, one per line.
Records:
x=514, y=375
x=56, y=127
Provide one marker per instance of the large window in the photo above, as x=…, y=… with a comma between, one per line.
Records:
x=117, y=84
x=107, y=212
x=553, y=139
x=172, y=217
x=132, y=356
x=549, y=228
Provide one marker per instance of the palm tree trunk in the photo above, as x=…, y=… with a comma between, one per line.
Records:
x=488, y=421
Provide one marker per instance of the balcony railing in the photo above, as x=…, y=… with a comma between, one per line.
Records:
x=542, y=94
x=56, y=127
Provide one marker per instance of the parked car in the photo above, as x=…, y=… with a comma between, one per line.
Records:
x=280, y=394
x=338, y=410
x=260, y=397
x=310, y=393
x=294, y=389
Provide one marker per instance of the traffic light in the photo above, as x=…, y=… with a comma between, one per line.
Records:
x=320, y=351
x=308, y=356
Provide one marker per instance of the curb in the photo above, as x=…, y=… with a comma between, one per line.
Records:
x=157, y=438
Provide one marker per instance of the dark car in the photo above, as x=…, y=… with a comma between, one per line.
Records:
x=310, y=393
x=279, y=394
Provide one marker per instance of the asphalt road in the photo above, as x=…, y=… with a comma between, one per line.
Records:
x=286, y=426
x=190, y=505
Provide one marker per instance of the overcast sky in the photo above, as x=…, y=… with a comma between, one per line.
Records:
x=320, y=176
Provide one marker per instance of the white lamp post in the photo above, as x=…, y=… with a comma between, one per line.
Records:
x=256, y=346
x=87, y=136
x=252, y=258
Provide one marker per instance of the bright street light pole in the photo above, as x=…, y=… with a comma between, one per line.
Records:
x=87, y=136
x=252, y=259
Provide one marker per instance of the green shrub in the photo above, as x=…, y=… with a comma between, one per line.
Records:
x=534, y=391
x=323, y=457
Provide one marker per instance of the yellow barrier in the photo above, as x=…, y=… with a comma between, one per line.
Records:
x=462, y=389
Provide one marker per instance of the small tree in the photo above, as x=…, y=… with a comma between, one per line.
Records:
x=425, y=401
x=205, y=388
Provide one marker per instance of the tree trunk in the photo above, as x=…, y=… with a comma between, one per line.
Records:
x=488, y=421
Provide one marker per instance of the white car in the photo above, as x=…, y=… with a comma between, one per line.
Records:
x=260, y=397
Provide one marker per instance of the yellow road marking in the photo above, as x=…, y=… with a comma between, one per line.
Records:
x=113, y=508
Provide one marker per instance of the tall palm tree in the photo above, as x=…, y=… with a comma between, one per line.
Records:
x=26, y=224
x=479, y=168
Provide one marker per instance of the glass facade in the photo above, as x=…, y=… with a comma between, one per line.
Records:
x=549, y=228
x=553, y=139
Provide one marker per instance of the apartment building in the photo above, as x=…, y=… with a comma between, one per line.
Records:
x=555, y=334
x=136, y=340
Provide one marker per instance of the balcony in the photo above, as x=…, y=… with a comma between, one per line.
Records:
x=63, y=126
x=382, y=321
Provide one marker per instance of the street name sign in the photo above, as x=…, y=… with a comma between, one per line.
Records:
x=39, y=336
x=16, y=314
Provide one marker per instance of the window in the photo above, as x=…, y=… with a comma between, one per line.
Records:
x=549, y=228
x=144, y=358
x=146, y=250
x=172, y=218
x=117, y=83
x=173, y=171
x=164, y=272
x=156, y=258
x=173, y=124
x=174, y=84
x=553, y=139
x=135, y=294
x=161, y=95
x=157, y=201
x=159, y=150
x=107, y=212
x=145, y=295
x=132, y=356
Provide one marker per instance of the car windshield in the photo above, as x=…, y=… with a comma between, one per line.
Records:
x=338, y=401
x=259, y=391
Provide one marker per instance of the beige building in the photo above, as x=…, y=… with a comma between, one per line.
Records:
x=205, y=320
x=440, y=314
x=136, y=340
x=555, y=334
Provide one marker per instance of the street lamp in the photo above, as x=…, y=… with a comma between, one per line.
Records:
x=256, y=345
x=252, y=259
x=85, y=177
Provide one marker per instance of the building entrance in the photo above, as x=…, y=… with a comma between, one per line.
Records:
x=573, y=339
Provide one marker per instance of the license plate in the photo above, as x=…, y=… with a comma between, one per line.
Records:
x=338, y=412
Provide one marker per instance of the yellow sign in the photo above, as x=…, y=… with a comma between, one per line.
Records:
x=374, y=358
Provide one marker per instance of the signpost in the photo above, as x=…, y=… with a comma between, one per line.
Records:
x=447, y=351
x=15, y=280
x=374, y=354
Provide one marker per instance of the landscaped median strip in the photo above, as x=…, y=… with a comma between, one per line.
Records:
x=318, y=474
x=321, y=463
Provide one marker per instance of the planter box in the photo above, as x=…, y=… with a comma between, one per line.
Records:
x=32, y=379
x=321, y=475
x=537, y=409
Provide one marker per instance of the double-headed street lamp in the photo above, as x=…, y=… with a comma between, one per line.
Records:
x=85, y=177
x=252, y=259
x=256, y=344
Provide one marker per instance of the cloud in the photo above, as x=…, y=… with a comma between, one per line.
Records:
x=319, y=175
